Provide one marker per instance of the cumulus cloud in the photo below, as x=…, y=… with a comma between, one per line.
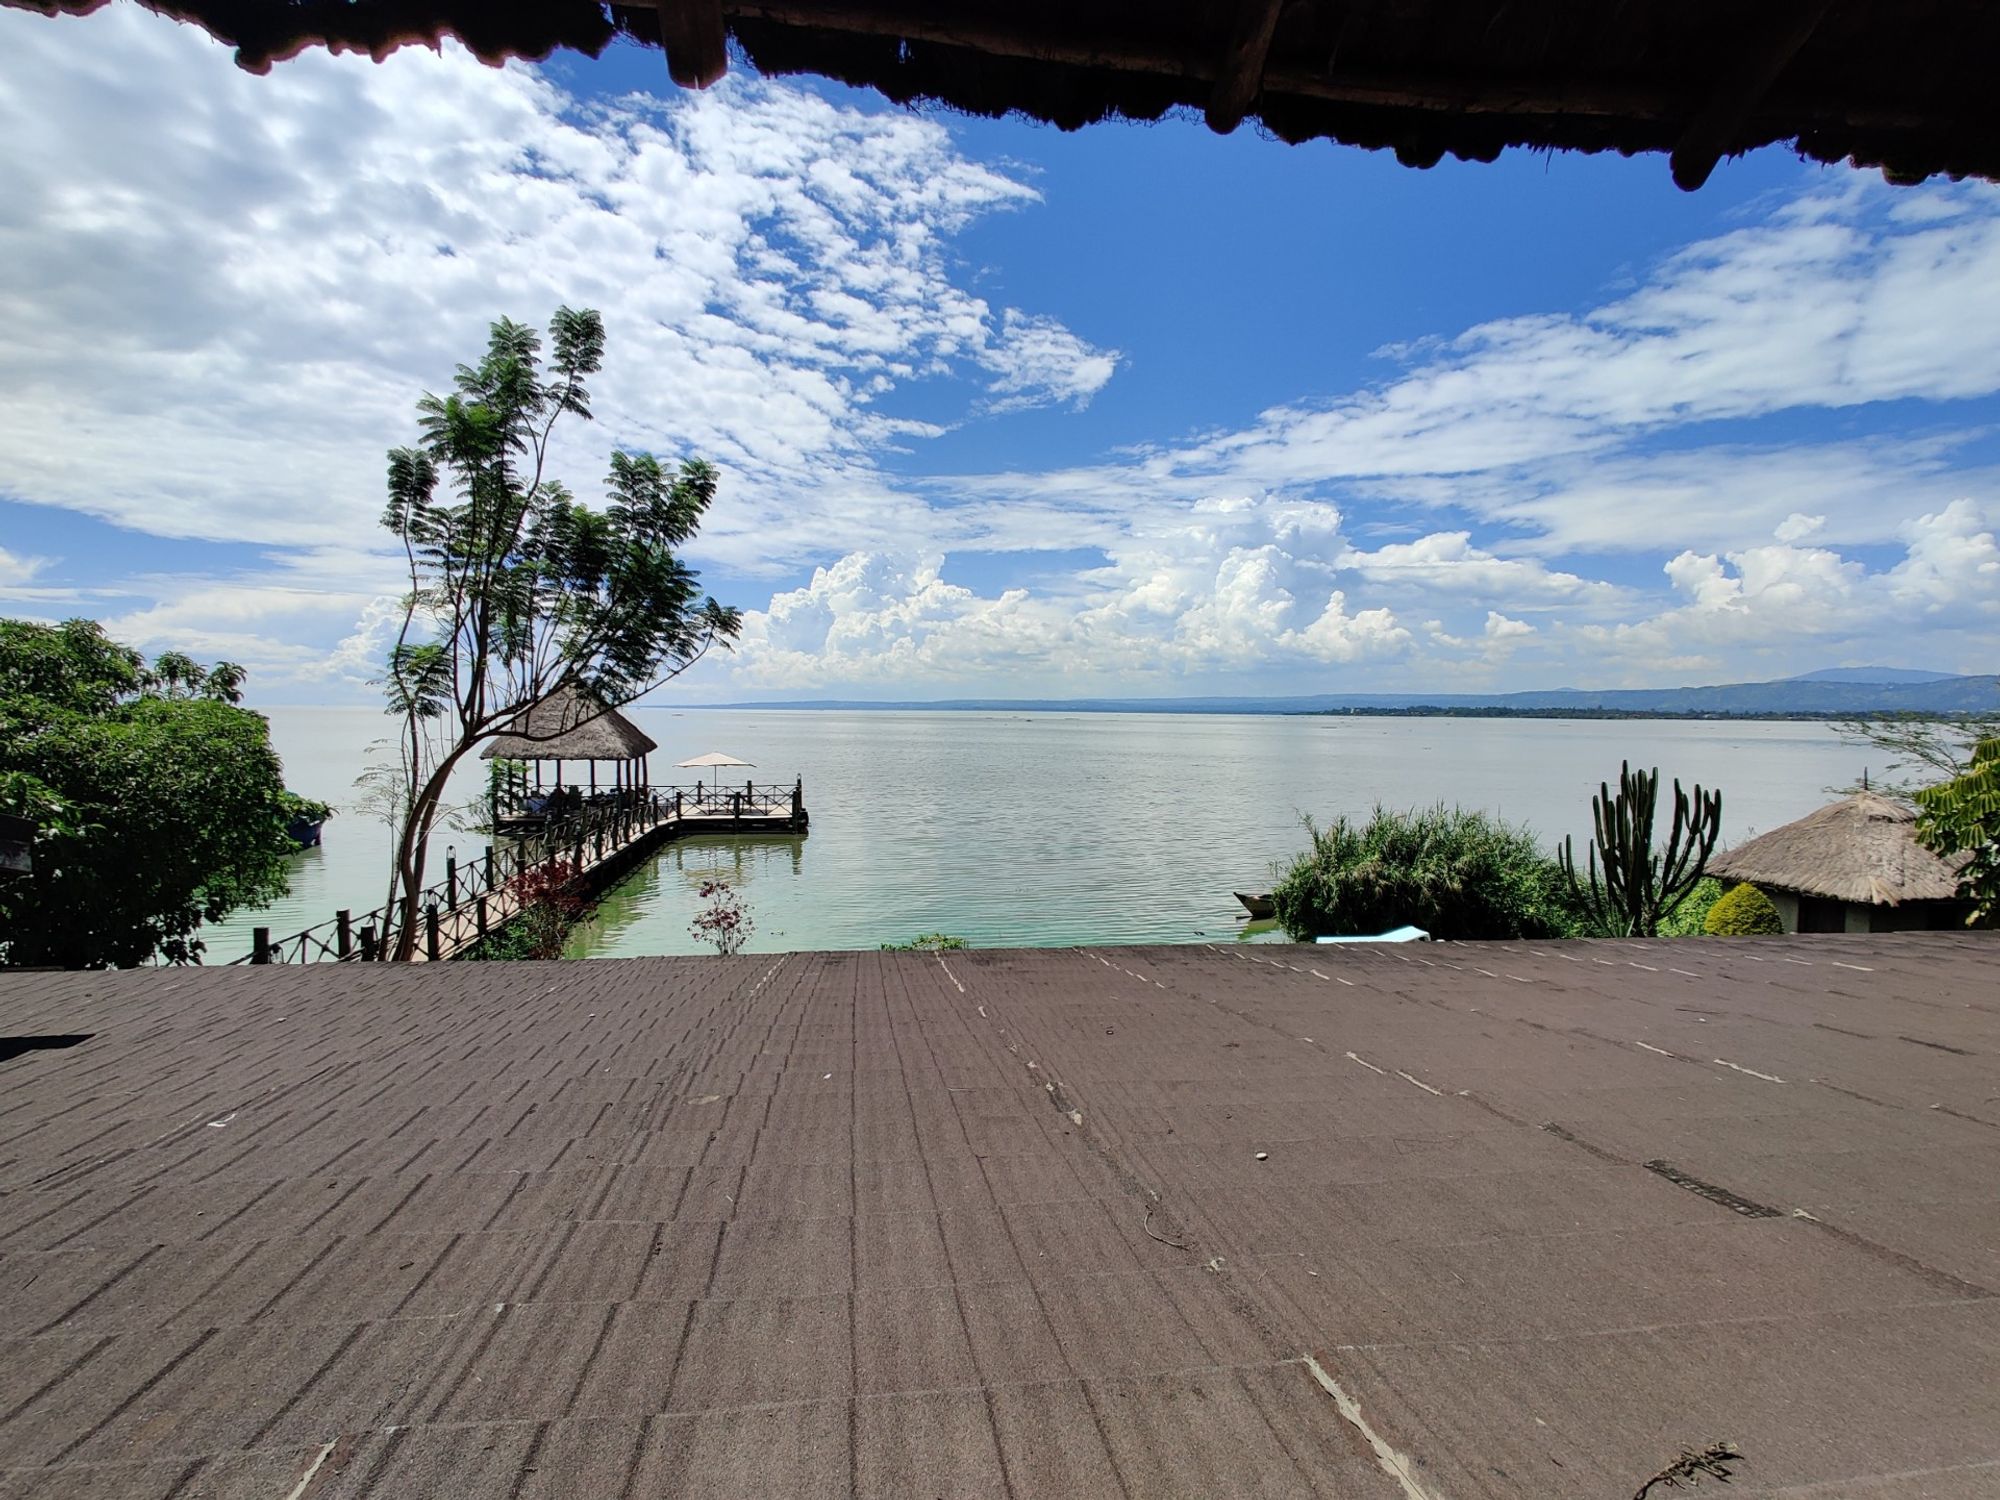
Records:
x=1764, y=601
x=279, y=265
x=276, y=266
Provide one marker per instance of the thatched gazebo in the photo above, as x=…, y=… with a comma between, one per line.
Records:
x=573, y=724
x=1853, y=866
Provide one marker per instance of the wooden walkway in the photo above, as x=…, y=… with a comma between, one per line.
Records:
x=603, y=841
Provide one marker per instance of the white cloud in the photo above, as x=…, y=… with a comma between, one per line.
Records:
x=17, y=570
x=1767, y=601
x=277, y=266
x=280, y=265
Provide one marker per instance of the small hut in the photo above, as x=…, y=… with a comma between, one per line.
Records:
x=570, y=725
x=1853, y=866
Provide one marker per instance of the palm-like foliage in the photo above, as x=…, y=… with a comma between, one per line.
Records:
x=514, y=584
x=1963, y=817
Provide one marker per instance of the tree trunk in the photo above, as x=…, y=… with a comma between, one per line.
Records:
x=414, y=848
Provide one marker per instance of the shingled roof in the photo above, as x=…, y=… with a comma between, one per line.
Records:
x=1485, y=1221
x=1861, y=849
x=570, y=724
x=1900, y=84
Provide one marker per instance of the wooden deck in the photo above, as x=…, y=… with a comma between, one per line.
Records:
x=604, y=840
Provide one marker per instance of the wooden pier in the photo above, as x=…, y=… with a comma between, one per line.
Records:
x=599, y=842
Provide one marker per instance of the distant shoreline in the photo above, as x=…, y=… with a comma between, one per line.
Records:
x=1412, y=711
x=1785, y=698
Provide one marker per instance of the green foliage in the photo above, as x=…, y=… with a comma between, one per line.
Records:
x=549, y=907
x=514, y=586
x=1686, y=919
x=161, y=804
x=1639, y=887
x=929, y=942
x=1963, y=817
x=1457, y=874
x=1743, y=911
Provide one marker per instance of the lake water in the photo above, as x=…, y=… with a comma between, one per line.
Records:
x=1012, y=829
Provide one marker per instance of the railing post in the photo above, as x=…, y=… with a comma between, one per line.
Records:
x=798, y=799
x=482, y=919
x=368, y=942
x=489, y=867
x=343, y=933
x=677, y=802
x=260, y=945
x=431, y=950
x=450, y=881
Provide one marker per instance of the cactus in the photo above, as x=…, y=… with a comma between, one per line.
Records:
x=1639, y=887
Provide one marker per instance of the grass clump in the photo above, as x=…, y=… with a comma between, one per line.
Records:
x=929, y=942
x=1744, y=911
x=1456, y=874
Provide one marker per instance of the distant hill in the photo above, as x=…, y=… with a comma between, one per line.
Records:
x=1819, y=694
x=1872, y=674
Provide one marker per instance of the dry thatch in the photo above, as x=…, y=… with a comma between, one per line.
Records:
x=1900, y=84
x=1863, y=850
x=571, y=723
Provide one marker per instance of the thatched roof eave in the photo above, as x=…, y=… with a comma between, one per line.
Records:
x=1898, y=84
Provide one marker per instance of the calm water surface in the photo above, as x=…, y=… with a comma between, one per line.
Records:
x=1010, y=829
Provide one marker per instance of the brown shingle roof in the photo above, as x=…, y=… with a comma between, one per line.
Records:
x=570, y=724
x=994, y=1223
x=1900, y=84
x=1861, y=849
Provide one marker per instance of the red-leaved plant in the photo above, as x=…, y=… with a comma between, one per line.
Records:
x=724, y=921
x=549, y=902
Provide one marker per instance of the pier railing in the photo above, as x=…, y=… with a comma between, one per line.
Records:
x=580, y=838
x=457, y=911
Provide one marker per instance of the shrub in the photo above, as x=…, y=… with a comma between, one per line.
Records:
x=1686, y=919
x=725, y=921
x=547, y=908
x=1454, y=873
x=929, y=942
x=1744, y=911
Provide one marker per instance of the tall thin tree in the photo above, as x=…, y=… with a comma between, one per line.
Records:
x=516, y=586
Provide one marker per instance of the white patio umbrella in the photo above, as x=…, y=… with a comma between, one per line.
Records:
x=716, y=759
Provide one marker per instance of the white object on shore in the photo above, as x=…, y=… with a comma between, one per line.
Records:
x=1395, y=935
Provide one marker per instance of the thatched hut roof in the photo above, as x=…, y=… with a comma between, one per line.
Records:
x=1862, y=849
x=1900, y=84
x=571, y=723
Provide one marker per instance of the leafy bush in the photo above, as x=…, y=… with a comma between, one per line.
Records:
x=1454, y=873
x=929, y=942
x=548, y=906
x=159, y=804
x=1686, y=919
x=1963, y=817
x=1744, y=911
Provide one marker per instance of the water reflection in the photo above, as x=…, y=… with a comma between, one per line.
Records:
x=668, y=890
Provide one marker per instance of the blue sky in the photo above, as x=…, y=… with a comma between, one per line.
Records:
x=999, y=410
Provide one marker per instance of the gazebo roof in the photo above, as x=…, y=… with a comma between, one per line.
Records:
x=1900, y=84
x=1862, y=849
x=570, y=724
